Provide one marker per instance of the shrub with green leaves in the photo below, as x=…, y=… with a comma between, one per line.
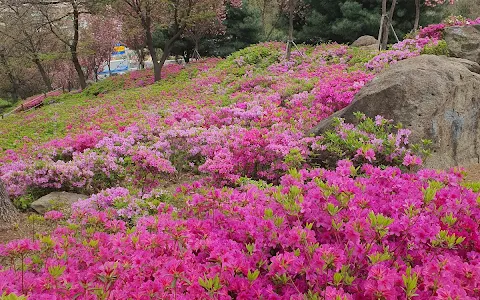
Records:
x=260, y=56
x=375, y=141
x=439, y=48
x=4, y=104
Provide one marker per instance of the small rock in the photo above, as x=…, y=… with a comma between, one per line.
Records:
x=366, y=40
x=54, y=200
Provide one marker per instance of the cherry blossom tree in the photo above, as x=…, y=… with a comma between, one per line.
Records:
x=133, y=37
x=209, y=23
x=99, y=38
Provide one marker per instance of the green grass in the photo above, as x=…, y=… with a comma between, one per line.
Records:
x=81, y=110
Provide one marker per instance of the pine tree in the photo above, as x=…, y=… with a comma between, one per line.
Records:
x=344, y=21
x=243, y=28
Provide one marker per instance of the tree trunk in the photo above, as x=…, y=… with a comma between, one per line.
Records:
x=417, y=15
x=390, y=20
x=141, y=58
x=264, y=13
x=43, y=73
x=382, y=23
x=95, y=72
x=73, y=47
x=146, y=22
x=290, y=29
x=8, y=212
x=196, y=54
x=78, y=68
x=387, y=22
x=109, y=64
x=169, y=46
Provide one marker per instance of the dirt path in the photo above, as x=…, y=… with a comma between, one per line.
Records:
x=24, y=228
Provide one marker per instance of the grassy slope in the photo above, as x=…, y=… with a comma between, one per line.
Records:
x=120, y=104
x=74, y=113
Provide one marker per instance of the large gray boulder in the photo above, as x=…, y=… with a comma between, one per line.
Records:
x=464, y=41
x=56, y=200
x=364, y=41
x=436, y=97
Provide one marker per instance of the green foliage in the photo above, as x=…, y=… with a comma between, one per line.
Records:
x=379, y=223
x=345, y=20
x=105, y=86
x=211, y=285
x=345, y=142
x=150, y=204
x=260, y=56
x=294, y=158
x=430, y=192
x=410, y=282
x=11, y=296
x=359, y=56
x=23, y=202
x=474, y=186
x=4, y=103
x=245, y=181
x=446, y=240
x=243, y=29
x=439, y=49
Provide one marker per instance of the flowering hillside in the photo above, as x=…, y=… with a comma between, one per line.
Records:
x=275, y=213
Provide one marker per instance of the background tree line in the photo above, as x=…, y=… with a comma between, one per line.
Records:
x=48, y=44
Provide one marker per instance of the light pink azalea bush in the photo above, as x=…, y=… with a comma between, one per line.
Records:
x=263, y=222
x=261, y=134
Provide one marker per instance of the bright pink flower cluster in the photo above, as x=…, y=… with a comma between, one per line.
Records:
x=381, y=235
x=53, y=215
x=354, y=232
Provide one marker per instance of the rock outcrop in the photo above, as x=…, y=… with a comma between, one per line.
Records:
x=54, y=200
x=463, y=41
x=436, y=97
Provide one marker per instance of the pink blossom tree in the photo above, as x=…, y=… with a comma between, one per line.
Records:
x=99, y=38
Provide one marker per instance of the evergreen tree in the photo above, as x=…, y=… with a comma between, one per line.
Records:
x=344, y=21
x=243, y=28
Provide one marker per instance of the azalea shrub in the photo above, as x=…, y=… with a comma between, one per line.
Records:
x=259, y=134
x=206, y=185
x=439, y=48
x=374, y=141
x=428, y=40
x=318, y=235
